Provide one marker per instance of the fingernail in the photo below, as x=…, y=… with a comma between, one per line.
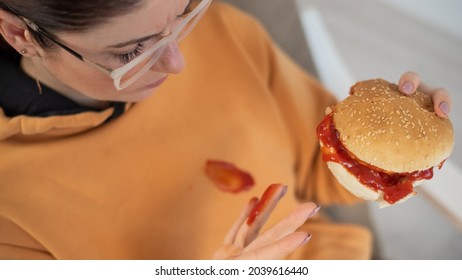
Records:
x=284, y=191
x=314, y=212
x=307, y=238
x=444, y=107
x=408, y=88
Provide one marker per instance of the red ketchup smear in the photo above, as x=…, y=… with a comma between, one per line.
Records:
x=263, y=203
x=227, y=177
x=395, y=186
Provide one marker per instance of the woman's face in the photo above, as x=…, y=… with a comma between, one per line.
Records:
x=115, y=43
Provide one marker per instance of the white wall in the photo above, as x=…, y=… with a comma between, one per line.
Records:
x=443, y=14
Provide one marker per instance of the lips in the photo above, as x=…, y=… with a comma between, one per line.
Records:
x=155, y=84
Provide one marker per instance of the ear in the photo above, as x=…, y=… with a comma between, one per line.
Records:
x=15, y=32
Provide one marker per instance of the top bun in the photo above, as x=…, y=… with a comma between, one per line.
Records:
x=394, y=132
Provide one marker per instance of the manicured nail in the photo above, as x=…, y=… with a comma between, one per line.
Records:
x=314, y=212
x=284, y=191
x=408, y=88
x=307, y=238
x=444, y=107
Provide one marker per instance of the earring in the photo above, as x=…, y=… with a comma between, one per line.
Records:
x=23, y=51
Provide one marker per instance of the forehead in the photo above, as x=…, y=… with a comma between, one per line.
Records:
x=151, y=17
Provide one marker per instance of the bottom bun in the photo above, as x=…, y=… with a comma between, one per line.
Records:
x=352, y=184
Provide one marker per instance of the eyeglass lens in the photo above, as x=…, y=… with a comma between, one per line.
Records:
x=143, y=66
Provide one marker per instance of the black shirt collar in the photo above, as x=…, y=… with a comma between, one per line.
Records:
x=19, y=94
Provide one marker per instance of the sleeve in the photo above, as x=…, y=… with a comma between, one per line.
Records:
x=302, y=101
x=12, y=252
x=16, y=244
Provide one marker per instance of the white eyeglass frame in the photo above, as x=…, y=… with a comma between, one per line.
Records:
x=118, y=73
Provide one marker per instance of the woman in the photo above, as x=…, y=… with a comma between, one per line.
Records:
x=103, y=150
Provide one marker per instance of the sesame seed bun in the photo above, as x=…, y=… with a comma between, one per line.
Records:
x=386, y=129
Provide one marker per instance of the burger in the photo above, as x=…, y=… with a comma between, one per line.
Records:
x=380, y=143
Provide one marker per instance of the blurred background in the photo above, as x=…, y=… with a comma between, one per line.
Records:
x=341, y=42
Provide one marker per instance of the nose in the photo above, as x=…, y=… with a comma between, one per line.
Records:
x=171, y=60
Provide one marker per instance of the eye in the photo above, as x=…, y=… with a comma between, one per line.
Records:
x=127, y=57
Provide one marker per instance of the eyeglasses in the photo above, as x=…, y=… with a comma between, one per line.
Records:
x=133, y=70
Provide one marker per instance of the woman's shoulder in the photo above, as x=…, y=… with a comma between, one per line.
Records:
x=228, y=27
x=233, y=19
x=227, y=9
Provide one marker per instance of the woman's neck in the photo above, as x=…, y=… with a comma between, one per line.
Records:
x=37, y=71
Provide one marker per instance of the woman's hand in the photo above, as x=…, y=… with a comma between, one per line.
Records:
x=410, y=81
x=243, y=240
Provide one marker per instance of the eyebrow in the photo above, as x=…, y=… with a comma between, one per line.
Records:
x=131, y=42
x=143, y=39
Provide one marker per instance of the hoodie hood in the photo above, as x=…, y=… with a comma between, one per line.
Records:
x=51, y=126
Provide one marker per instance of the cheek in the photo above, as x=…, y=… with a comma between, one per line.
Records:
x=82, y=78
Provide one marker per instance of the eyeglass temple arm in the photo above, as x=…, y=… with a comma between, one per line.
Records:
x=34, y=27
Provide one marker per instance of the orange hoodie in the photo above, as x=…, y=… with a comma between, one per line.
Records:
x=77, y=187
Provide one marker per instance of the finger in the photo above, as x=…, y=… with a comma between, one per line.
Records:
x=441, y=99
x=328, y=110
x=278, y=249
x=226, y=252
x=409, y=82
x=286, y=226
x=260, y=214
x=231, y=235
